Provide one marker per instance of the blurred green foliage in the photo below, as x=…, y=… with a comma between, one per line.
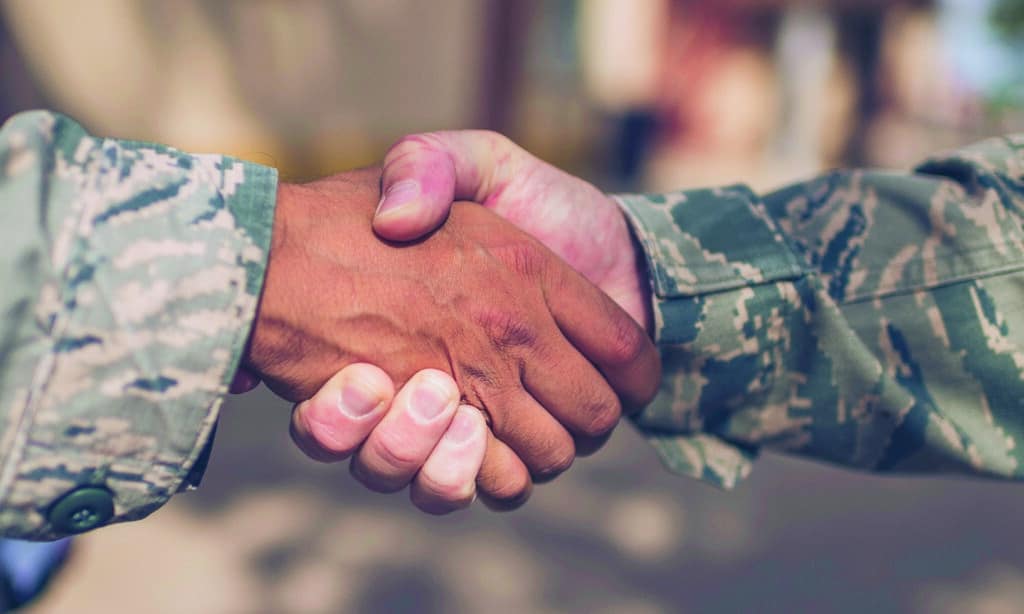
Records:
x=1008, y=19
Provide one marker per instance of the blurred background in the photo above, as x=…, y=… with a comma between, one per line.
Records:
x=633, y=95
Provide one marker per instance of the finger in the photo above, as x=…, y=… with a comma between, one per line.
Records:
x=605, y=334
x=540, y=441
x=244, y=381
x=504, y=481
x=425, y=173
x=447, y=481
x=401, y=443
x=569, y=387
x=334, y=422
x=585, y=446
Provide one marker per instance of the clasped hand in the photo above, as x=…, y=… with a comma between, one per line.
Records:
x=509, y=362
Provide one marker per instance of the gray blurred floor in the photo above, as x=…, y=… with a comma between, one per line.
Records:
x=272, y=532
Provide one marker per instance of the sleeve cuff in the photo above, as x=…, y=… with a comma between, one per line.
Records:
x=715, y=258
x=157, y=261
x=703, y=241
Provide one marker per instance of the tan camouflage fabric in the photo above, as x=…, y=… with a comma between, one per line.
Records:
x=863, y=318
x=130, y=275
x=866, y=318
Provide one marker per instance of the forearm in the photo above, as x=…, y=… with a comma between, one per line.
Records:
x=862, y=318
x=133, y=272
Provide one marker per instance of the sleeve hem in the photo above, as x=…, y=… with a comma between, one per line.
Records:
x=704, y=457
x=253, y=209
x=152, y=279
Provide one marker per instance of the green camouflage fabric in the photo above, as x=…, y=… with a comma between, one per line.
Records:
x=863, y=318
x=130, y=276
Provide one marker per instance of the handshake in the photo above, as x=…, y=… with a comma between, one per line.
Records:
x=459, y=348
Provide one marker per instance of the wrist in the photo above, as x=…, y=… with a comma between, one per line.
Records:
x=287, y=197
x=635, y=265
x=321, y=238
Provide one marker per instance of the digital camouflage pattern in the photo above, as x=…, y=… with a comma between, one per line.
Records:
x=865, y=318
x=862, y=318
x=130, y=275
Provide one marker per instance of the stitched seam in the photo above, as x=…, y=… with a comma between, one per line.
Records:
x=943, y=283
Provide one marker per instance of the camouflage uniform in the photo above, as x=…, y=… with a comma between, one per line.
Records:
x=863, y=318
x=130, y=277
x=859, y=318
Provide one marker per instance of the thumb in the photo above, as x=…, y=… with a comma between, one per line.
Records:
x=425, y=173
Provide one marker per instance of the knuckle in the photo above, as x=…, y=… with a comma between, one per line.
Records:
x=411, y=144
x=500, y=142
x=394, y=454
x=602, y=416
x=627, y=343
x=558, y=462
x=505, y=328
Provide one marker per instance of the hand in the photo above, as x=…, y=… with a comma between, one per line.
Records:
x=358, y=413
x=424, y=174
x=478, y=300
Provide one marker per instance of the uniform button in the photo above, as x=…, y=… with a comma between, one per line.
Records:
x=82, y=509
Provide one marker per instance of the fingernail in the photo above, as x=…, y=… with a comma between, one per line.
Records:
x=355, y=403
x=244, y=381
x=430, y=400
x=463, y=427
x=398, y=195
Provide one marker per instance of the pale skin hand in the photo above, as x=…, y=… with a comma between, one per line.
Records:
x=357, y=414
x=419, y=436
x=440, y=458
x=424, y=174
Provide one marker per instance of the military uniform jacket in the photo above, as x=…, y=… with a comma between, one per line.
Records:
x=862, y=318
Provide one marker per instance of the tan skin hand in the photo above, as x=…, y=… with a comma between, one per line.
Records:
x=478, y=299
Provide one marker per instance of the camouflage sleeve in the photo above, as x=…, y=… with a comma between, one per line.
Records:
x=864, y=318
x=130, y=274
